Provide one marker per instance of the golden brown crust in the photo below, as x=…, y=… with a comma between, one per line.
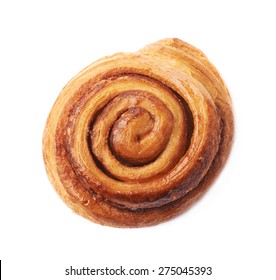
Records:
x=135, y=138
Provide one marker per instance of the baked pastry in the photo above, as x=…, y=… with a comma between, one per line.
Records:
x=135, y=138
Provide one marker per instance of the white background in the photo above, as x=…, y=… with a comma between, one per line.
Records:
x=43, y=45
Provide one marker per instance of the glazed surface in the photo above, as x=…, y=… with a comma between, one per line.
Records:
x=136, y=138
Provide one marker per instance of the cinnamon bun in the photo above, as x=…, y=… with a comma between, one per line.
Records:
x=136, y=138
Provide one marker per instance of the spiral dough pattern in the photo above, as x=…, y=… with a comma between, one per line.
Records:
x=135, y=138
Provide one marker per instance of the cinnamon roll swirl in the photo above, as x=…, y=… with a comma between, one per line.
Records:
x=135, y=138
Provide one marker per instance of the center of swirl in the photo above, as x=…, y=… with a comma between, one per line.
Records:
x=140, y=134
x=134, y=139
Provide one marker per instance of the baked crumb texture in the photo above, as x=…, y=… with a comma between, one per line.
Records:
x=136, y=138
